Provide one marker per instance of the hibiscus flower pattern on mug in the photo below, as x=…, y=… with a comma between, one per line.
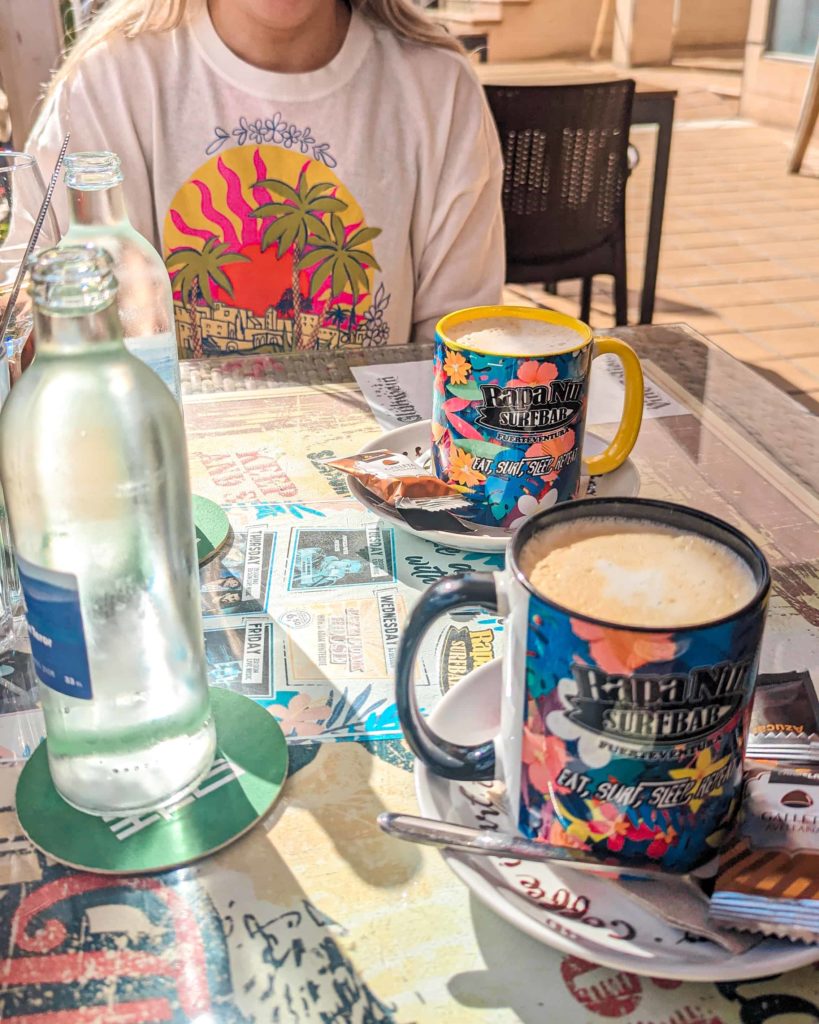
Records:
x=636, y=750
x=509, y=428
x=503, y=446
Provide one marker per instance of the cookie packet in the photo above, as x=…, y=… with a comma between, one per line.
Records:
x=785, y=719
x=768, y=881
x=399, y=483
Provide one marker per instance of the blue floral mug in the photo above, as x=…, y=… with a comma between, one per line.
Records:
x=623, y=743
x=509, y=428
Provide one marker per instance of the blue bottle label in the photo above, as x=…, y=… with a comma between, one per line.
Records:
x=56, y=630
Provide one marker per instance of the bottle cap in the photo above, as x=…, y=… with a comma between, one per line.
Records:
x=91, y=171
x=73, y=279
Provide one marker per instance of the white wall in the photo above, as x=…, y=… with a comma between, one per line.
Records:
x=30, y=41
x=711, y=23
x=548, y=28
x=772, y=87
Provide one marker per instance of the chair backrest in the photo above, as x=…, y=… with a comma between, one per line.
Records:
x=565, y=166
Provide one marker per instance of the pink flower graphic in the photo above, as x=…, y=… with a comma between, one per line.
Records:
x=611, y=825
x=532, y=373
x=302, y=716
x=439, y=379
x=619, y=650
x=554, y=446
x=544, y=757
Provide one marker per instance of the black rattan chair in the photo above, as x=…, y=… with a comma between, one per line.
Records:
x=565, y=151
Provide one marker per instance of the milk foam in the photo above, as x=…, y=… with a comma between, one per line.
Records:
x=512, y=336
x=637, y=573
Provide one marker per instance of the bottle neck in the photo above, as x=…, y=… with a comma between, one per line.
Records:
x=97, y=205
x=75, y=335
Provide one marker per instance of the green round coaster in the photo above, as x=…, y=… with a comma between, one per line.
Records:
x=241, y=787
x=212, y=527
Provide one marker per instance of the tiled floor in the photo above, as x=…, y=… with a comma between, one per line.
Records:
x=740, y=253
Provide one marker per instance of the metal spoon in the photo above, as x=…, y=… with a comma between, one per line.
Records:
x=429, y=832
x=677, y=899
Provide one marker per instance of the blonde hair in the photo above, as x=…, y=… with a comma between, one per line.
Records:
x=130, y=18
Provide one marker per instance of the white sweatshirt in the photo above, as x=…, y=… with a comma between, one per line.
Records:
x=384, y=174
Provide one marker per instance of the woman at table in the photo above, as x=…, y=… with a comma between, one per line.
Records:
x=315, y=174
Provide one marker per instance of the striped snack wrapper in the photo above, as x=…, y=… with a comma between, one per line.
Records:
x=768, y=881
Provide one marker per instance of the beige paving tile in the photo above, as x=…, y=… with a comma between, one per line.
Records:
x=810, y=365
x=717, y=296
x=790, y=341
x=807, y=265
x=794, y=202
x=732, y=221
x=797, y=248
x=686, y=277
x=671, y=257
x=720, y=252
x=790, y=376
x=705, y=240
x=511, y=298
x=777, y=214
x=757, y=270
x=812, y=310
x=797, y=233
x=740, y=252
x=762, y=234
x=763, y=316
x=699, y=201
x=704, y=323
x=796, y=289
x=744, y=347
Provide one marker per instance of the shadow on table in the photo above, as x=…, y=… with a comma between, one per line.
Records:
x=802, y=397
x=514, y=963
x=333, y=781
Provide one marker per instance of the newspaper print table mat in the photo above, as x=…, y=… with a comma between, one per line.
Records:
x=315, y=915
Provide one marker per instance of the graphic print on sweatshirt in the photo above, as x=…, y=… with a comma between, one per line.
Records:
x=268, y=251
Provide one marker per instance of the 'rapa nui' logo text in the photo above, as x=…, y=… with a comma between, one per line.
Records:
x=523, y=410
x=658, y=709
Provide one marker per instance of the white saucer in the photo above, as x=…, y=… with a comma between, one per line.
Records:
x=414, y=440
x=470, y=713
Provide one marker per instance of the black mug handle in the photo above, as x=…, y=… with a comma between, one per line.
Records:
x=452, y=760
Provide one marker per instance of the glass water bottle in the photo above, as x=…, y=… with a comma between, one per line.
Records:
x=94, y=469
x=98, y=217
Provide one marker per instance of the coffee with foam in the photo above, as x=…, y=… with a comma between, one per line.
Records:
x=515, y=336
x=637, y=573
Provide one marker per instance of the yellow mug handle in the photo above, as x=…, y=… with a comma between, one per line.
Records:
x=626, y=437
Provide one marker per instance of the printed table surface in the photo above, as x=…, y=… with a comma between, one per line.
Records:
x=315, y=915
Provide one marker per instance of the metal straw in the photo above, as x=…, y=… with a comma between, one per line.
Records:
x=35, y=234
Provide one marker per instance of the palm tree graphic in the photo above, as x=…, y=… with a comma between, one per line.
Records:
x=285, y=303
x=296, y=218
x=341, y=260
x=335, y=315
x=192, y=271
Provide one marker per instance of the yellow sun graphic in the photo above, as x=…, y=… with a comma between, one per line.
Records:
x=269, y=250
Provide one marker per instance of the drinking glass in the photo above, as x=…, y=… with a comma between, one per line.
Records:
x=21, y=195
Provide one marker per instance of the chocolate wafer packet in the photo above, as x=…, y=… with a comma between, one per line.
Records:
x=768, y=881
x=423, y=500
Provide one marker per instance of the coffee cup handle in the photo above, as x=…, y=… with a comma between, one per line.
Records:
x=443, y=757
x=626, y=437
